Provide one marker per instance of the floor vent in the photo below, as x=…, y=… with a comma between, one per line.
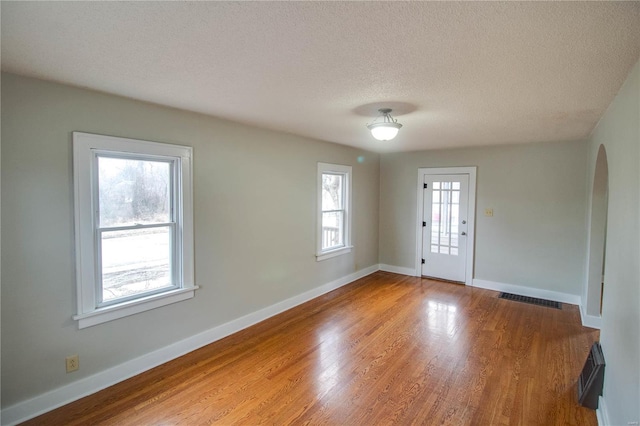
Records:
x=531, y=300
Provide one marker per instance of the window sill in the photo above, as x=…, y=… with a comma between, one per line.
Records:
x=132, y=307
x=333, y=253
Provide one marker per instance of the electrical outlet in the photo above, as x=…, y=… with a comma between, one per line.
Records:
x=488, y=212
x=73, y=363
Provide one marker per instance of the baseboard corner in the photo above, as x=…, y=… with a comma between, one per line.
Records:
x=590, y=321
x=397, y=270
x=602, y=414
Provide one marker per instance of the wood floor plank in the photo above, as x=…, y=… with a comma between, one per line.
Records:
x=386, y=349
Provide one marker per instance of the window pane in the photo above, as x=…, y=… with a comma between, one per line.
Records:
x=456, y=185
x=135, y=261
x=332, y=230
x=332, y=192
x=133, y=191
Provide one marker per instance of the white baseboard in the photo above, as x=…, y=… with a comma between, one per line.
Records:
x=591, y=321
x=529, y=291
x=48, y=401
x=398, y=270
x=602, y=414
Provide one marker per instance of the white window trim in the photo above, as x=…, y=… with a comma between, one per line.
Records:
x=347, y=172
x=84, y=147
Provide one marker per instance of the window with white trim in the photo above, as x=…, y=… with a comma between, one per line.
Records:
x=334, y=211
x=134, y=226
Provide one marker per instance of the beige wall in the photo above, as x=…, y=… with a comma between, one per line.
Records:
x=255, y=200
x=619, y=132
x=536, y=237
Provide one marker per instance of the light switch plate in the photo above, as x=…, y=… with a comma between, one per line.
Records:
x=488, y=212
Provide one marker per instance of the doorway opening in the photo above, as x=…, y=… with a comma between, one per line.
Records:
x=597, y=236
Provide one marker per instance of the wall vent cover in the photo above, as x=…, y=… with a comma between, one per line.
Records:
x=531, y=300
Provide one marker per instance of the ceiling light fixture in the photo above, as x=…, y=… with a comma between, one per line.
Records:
x=387, y=128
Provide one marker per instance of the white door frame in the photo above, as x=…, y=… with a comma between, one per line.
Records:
x=471, y=219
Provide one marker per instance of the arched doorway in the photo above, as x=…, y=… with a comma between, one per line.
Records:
x=597, y=235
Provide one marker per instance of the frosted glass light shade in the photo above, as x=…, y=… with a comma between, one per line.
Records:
x=384, y=131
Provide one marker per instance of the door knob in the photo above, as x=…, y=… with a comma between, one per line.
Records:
x=464, y=222
x=463, y=233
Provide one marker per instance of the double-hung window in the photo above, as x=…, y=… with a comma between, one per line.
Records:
x=134, y=226
x=334, y=210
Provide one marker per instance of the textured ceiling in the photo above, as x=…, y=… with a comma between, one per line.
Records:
x=458, y=73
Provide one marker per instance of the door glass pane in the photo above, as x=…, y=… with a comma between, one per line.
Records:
x=332, y=229
x=455, y=214
x=435, y=238
x=135, y=261
x=435, y=216
x=133, y=191
x=445, y=216
x=332, y=191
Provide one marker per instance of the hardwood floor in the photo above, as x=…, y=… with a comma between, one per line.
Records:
x=387, y=349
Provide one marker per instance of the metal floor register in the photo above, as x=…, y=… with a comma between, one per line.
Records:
x=531, y=300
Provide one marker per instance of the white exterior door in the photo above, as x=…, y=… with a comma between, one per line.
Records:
x=445, y=226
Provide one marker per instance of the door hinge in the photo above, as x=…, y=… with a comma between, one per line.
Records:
x=423, y=261
x=424, y=223
x=425, y=186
